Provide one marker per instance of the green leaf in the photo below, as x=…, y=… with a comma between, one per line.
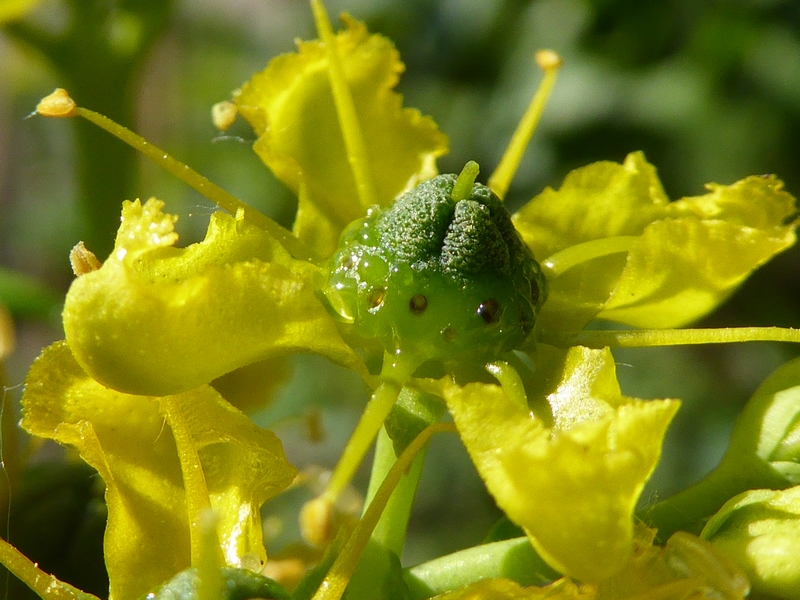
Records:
x=764, y=452
x=689, y=255
x=125, y=438
x=290, y=106
x=760, y=531
x=158, y=320
x=572, y=487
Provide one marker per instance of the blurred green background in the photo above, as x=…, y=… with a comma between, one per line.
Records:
x=709, y=90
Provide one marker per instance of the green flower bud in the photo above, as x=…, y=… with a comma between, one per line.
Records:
x=435, y=277
x=764, y=453
x=760, y=531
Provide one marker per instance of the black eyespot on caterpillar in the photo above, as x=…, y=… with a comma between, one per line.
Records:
x=489, y=310
x=418, y=304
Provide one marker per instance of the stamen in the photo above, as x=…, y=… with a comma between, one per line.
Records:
x=572, y=256
x=346, y=110
x=500, y=180
x=198, y=502
x=509, y=380
x=393, y=376
x=339, y=575
x=59, y=104
x=669, y=337
x=462, y=189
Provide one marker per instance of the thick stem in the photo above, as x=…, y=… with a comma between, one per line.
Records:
x=391, y=530
x=46, y=586
x=513, y=559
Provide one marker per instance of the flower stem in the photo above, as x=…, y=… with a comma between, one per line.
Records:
x=689, y=509
x=669, y=337
x=500, y=180
x=339, y=575
x=198, y=503
x=513, y=559
x=345, y=109
x=390, y=531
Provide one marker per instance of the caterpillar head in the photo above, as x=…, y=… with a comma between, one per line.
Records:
x=433, y=278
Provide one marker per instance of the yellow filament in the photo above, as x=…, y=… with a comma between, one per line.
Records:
x=572, y=256
x=338, y=577
x=59, y=104
x=669, y=337
x=500, y=180
x=346, y=110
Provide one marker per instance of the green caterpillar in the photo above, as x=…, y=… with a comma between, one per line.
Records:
x=435, y=277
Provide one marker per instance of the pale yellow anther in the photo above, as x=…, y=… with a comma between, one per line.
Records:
x=57, y=104
x=223, y=114
x=83, y=260
x=7, y=336
x=316, y=521
x=548, y=60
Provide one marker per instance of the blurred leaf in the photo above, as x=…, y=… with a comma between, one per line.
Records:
x=290, y=106
x=14, y=9
x=125, y=438
x=27, y=297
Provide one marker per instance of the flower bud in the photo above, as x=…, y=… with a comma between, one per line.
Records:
x=760, y=531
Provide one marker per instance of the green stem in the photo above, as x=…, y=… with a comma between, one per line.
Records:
x=198, y=503
x=513, y=559
x=390, y=531
x=638, y=338
x=689, y=509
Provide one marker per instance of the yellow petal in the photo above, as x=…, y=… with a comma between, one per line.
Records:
x=158, y=320
x=291, y=108
x=573, y=488
x=125, y=438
